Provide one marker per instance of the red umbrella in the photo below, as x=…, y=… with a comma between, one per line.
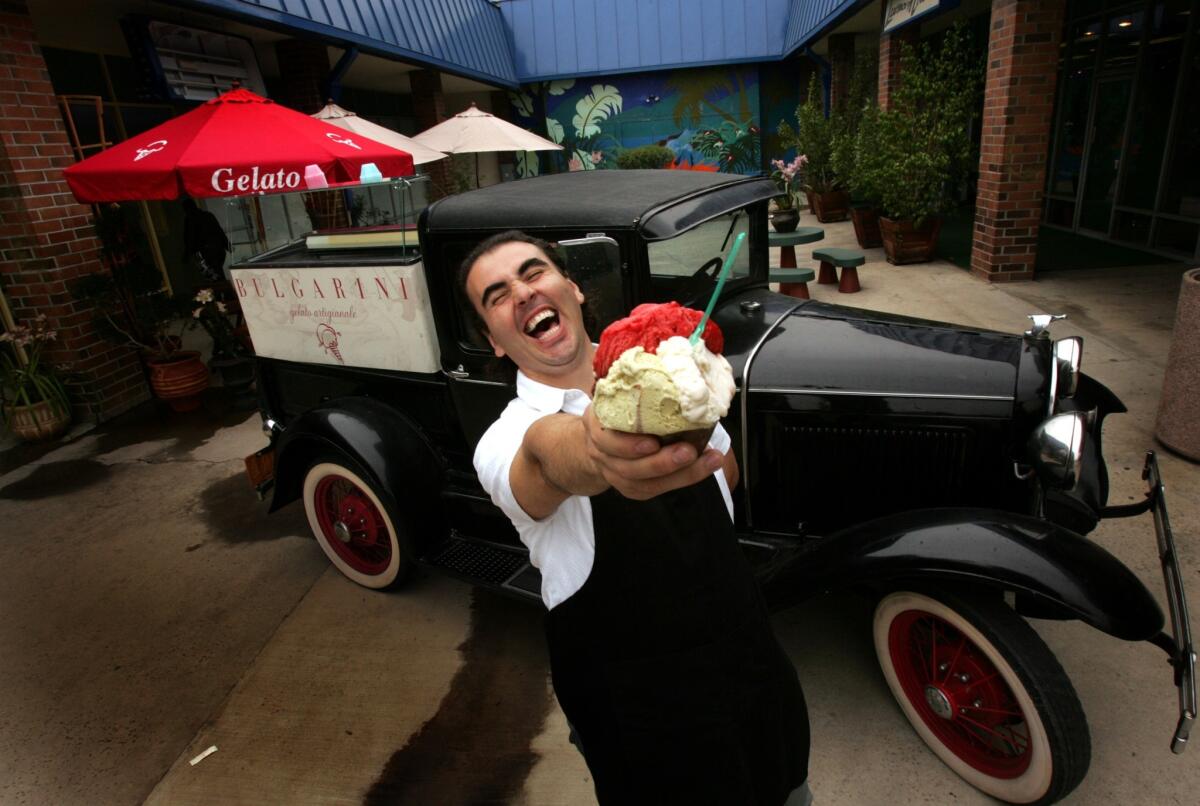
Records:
x=234, y=145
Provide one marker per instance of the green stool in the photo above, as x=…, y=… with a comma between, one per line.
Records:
x=793, y=282
x=848, y=260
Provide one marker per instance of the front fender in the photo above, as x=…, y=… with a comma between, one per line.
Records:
x=390, y=448
x=1056, y=569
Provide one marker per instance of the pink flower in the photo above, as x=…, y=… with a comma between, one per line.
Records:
x=575, y=164
x=596, y=157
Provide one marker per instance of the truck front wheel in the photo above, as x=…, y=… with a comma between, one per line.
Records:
x=985, y=693
x=354, y=528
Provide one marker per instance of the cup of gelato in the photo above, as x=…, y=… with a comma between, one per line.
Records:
x=652, y=380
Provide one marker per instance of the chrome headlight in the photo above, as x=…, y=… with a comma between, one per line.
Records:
x=1068, y=355
x=1055, y=449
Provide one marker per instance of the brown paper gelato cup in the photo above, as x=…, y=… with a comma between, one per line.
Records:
x=697, y=437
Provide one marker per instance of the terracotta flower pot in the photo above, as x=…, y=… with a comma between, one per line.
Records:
x=179, y=380
x=831, y=206
x=866, y=226
x=38, y=422
x=905, y=243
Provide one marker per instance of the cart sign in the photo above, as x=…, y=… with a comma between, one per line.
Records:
x=375, y=317
x=902, y=12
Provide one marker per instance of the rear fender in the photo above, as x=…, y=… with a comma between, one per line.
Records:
x=398, y=459
x=1056, y=570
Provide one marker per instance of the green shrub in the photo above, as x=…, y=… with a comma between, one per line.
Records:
x=914, y=155
x=813, y=137
x=646, y=157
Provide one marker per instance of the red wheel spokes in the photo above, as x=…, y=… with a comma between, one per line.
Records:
x=977, y=717
x=340, y=502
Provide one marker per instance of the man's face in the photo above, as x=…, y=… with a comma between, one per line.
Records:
x=530, y=309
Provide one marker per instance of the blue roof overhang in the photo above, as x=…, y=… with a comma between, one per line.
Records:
x=463, y=37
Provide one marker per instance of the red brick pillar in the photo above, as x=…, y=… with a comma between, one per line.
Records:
x=1018, y=111
x=841, y=64
x=502, y=108
x=889, y=59
x=429, y=109
x=303, y=72
x=46, y=239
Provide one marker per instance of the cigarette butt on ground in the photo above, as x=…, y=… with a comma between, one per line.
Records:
x=211, y=749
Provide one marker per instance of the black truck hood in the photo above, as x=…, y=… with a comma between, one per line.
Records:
x=816, y=347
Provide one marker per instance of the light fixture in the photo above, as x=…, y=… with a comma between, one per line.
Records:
x=1089, y=33
x=1125, y=24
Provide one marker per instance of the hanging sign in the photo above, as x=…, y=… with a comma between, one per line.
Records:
x=901, y=12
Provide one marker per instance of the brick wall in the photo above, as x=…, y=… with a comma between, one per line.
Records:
x=841, y=64
x=47, y=239
x=303, y=73
x=889, y=60
x=1017, y=115
x=429, y=109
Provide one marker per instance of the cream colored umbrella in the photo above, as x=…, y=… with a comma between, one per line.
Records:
x=473, y=131
x=345, y=119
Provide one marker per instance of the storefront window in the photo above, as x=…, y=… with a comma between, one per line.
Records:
x=1132, y=228
x=1152, y=105
x=1183, y=176
x=1121, y=42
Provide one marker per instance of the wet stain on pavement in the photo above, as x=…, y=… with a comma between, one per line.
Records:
x=147, y=422
x=477, y=749
x=234, y=514
x=56, y=478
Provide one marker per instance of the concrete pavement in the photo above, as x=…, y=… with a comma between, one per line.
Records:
x=150, y=609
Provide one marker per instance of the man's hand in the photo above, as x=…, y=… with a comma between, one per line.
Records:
x=638, y=466
x=565, y=455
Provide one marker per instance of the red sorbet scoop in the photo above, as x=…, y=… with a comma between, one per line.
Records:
x=648, y=325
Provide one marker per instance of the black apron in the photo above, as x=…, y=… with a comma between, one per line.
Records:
x=665, y=664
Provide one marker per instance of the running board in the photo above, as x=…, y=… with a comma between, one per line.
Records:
x=490, y=565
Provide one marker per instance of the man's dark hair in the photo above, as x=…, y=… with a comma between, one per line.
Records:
x=487, y=245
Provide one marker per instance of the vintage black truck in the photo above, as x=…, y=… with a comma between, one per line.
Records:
x=948, y=472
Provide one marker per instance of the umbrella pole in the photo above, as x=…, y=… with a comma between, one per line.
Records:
x=477, y=170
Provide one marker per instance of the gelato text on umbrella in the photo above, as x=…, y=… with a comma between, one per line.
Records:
x=223, y=180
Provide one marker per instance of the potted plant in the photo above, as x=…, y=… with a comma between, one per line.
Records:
x=863, y=161
x=853, y=135
x=133, y=307
x=34, y=400
x=230, y=357
x=922, y=148
x=814, y=137
x=787, y=176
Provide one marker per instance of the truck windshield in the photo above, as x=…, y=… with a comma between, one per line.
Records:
x=685, y=268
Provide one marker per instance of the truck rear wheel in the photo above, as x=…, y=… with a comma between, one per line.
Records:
x=985, y=693
x=356, y=531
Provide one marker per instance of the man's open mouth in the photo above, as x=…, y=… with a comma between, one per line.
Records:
x=542, y=323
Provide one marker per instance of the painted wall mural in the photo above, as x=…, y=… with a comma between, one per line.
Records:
x=706, y=116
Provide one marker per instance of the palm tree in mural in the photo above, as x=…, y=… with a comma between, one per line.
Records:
x=734, y=144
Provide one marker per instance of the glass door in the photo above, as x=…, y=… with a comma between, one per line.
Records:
x=1104, y=150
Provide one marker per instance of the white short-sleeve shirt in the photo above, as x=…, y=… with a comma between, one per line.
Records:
x=561, y=545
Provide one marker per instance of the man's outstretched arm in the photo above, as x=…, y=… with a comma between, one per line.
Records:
x=564, y=455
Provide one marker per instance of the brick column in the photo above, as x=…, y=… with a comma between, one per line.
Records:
x=303, y=73
x=502, y=108
x=841, y=63
x=1018, y=112
x=889, y=59
x=429, y=109
x=46, y=239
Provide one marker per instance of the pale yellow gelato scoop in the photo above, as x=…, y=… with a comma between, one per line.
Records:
x=680, y=387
